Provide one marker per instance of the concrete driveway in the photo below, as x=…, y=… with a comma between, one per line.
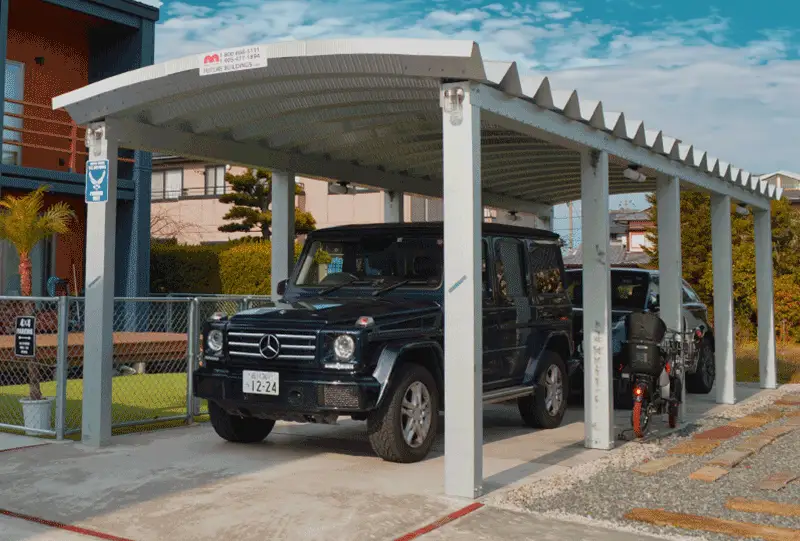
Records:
x=304, y=482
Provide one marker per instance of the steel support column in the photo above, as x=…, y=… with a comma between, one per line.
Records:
x=283, y=188
x=722, y=262
x=598, y=405
x=393, y=208
x=101, y=221
x=767, y=368
x=463, y=312
x=670, y=268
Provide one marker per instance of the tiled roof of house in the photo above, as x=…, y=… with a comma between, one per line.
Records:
x=618, y=256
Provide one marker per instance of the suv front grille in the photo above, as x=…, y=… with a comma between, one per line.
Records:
x=293, y=345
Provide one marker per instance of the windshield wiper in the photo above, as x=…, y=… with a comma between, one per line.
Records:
x=390, y=287
x=338, y=286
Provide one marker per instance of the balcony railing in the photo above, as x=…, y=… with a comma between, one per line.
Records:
x=28, y=125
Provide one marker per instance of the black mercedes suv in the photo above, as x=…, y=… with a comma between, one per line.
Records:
x=359, y=333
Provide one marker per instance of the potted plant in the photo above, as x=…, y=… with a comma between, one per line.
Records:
x=24, y=223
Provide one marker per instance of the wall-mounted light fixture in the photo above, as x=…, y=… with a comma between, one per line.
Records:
x=633, y=173
x=339, y=188
x=742, y=209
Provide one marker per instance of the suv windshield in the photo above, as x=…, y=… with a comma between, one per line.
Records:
x=375, y=261
x=628, y=289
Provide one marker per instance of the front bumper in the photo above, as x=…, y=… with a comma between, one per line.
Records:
x=302, y=396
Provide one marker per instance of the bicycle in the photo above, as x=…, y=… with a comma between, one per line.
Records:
x=658, y=358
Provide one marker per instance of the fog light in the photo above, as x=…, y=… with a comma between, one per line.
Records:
x=344, y=347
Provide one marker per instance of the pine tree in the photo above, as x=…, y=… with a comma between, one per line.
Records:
x=250, y=198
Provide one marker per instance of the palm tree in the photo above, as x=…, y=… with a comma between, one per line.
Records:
x=24, y=223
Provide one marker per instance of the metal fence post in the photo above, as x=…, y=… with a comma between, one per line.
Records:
x=193, y=337
x=62, y=364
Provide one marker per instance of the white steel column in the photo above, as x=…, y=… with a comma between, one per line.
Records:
x=393, y=208
x=722, y=262
x=283, y=187
x=101, y=223
x=463, y=312
x=598, y=405
x=668, y=198
x=767, y=368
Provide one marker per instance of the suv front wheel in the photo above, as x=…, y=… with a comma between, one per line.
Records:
x=404, y=427
x=546, y=407
x=238, y=429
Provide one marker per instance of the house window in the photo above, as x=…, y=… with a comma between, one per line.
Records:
x=42, y=267
x=638, y=242
x=215, y=180
x=167, y=184
x=14, y=90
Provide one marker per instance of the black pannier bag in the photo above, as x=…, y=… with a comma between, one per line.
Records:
x=645, y=331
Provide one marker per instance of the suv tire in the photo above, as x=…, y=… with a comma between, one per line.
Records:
x=414, y=385
x=702, y=380
x=536, y=410
x=238, y=429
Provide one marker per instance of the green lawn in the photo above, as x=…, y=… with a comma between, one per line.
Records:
x=140, y=397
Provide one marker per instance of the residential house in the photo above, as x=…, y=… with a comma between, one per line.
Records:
x=628, y=235
x=51, y=47
x=186, y=206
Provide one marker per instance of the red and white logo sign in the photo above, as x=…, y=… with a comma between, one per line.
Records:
x=237, y=59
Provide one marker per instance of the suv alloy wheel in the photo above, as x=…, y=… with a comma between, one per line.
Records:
x=546, y=407
x=404, y=427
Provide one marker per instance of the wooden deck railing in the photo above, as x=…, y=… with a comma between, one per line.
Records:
x=46, y=129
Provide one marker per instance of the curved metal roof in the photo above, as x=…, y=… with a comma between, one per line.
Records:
x=375, y=104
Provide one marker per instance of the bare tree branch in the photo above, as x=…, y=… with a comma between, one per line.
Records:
x=164, y=226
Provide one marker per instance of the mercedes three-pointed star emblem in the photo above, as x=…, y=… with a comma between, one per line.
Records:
x=269, y=346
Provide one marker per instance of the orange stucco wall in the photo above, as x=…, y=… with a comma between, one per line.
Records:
x=60, y=37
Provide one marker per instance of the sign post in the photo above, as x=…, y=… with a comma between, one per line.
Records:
x=101, y=219
x=25, y=337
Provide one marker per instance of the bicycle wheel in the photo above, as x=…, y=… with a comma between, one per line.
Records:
x=639, y=418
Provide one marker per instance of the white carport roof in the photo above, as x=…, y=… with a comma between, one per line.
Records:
x=367, y=111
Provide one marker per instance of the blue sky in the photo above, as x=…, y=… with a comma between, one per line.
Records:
x=723, y=75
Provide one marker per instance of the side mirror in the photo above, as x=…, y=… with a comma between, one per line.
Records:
x=652, y=302
x=281, y=287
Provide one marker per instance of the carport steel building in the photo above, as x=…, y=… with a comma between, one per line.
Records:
x=431, y=118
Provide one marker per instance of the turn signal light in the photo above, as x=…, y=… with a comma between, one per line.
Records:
x=365, y=321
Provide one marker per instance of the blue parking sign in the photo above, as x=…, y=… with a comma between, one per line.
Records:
x=97, y=181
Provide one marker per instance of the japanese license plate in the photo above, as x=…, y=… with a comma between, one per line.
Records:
x=260, y=382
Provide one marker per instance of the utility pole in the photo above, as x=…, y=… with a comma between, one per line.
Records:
x=571, y=237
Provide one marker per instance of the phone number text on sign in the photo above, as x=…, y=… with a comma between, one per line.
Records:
x=237, y=59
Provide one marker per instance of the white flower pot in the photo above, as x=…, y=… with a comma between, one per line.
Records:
x=36, y=414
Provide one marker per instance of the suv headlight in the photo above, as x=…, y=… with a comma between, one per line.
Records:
x=214, y=340
x=344, y=347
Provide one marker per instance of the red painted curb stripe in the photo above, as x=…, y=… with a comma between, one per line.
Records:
x=23, y=447
x=441, y=522
x=62, y=526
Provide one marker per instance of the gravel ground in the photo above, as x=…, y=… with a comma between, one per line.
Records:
x=605, y=489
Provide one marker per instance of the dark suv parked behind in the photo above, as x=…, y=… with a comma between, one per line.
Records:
x=359, y=332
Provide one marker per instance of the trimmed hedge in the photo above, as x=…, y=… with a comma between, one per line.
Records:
x=185, y=269
x=246, y=269
x=237, y=268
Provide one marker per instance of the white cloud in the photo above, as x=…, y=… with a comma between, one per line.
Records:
x=678, y=76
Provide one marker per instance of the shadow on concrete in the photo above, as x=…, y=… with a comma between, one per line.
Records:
x=303, y=482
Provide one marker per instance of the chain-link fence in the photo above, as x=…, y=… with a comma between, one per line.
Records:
x=156, y=346
x=30, y=349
